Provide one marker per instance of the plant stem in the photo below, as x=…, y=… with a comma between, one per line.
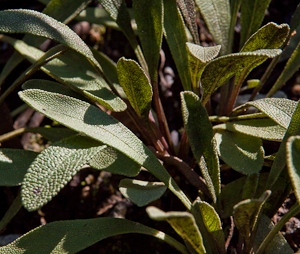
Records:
x=291, y=213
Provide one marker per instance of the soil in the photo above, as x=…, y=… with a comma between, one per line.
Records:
x=92, y=193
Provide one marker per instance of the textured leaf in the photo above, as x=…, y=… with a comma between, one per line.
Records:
x=175, y=34
x=36, y=23
x=278, y=245
x=261, y=128
x=278, y=109
x=80, y=116
x=212, y=222
x=117, y=9
x=86, y=80
x=216, y=14
x=243, y=153
x=220, y=70
x=232, y=194
x=183, y=223
x=201, y=138
x=75, y=235
x=13, y=165
x=252, y=15
x=245, y=214
x=270, y=36
x=280, y=160
x=198, y=57
x=149, y=19
x=141, y=193
x=293, y=163
x=136, y=86
x=63, y=11
x=54, y=167
x=111, y=160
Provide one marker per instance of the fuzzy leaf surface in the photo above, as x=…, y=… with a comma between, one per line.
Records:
x=141, y=193
x=279, y=109
x=293, y=163
x=261, y=128
x=75, y=235
x=243, y=153
x=54, y=167
x=252, y=15
x=136, y=86
x=175, y=34
x=220, y=70
x=183, y=223
x=216, y=14
x=13, y=165
x=201, y=138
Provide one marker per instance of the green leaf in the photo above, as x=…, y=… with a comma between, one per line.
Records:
x=111, y=160
x=295, y=20
x=270, y=36
x=278, y=109
x=220, y=70
x=261, y=128
x=86, y=81
x=234, y=9
x=75, y=235
x=54, y=167
x=141, y=193
x=80, y=116
x=175, y=34
x=13, y=165
x=198, y=57
x=212, y=222
x=201, y=138
x=293, y=163
x=118, y=11
x=243, y=153
x=278, y=245
x=63, y=11
x=39, y=24
x=252, y=15
x=136, y=86
x=216, y=14
x=183, y=223
x=280, y=160
x=53, y=134
x=245, y=214
x=149, y=19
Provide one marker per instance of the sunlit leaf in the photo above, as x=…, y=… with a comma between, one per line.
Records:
x=141, y=192
x=243, y=153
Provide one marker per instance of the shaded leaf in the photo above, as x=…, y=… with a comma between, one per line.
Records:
x=13, y=165
x=293, y=163
x=198, y=57
x=278, y=109
x=252, y=15
x=175, y=34
x=136, y=86
x=245, y=214
x=111, y=160
x=295, y=20
x=149, y=19
x=243, y=153
x=54, y=134
x=261, y=128
x=141, y=193
x=183, y=223
x=278, y=245
x=216, y=14
x=54, y=167
x=80, y=116
x=270, y=36
x=201, y=138
x=75, y=235
x=220, y=70
x=212, y=222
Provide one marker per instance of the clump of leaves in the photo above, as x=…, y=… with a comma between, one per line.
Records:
x=85, y=78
